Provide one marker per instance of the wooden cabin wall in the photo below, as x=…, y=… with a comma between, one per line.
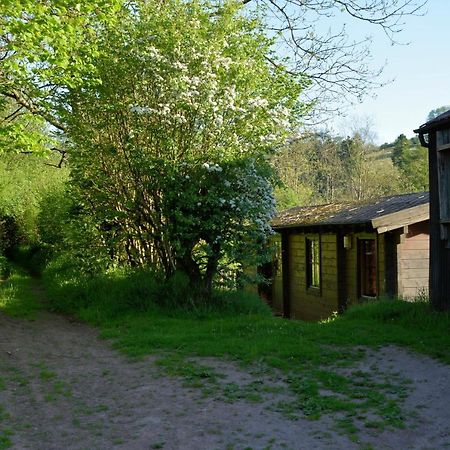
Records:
x=277, y=284
x=381, y=259
x=313, y=303
x=413, y=261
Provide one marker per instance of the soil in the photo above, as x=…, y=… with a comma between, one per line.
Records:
x=62, y=387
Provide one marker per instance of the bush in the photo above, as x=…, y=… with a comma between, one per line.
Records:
x=33, y=258
x=9, y=234
x=5, y=268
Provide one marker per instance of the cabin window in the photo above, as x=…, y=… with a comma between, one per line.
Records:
x=367, y=267
x=313, y=262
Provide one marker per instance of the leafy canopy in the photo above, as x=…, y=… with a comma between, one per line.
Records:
x=170, y=149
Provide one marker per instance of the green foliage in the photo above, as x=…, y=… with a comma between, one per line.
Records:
x=9, y=234
x=121, y=292
x=412, y=160
x=47, y=47
x=54, y=216
x=436, y=112
x=169, y=157
x=32, y=257
x=24, y=181
x=5, y=268
x=321, y=168
x=21, y=131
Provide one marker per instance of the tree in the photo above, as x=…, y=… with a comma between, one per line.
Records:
x=321, y=168
x=436, y=112
x=24, y=181
x=170, y=149
x=412, y=161
x=314, y=33
x=46, y=47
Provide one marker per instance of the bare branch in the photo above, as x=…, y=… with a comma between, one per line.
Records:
x=63, y=154
x=338, y=66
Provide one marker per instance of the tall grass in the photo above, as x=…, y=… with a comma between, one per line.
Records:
x=102, y=297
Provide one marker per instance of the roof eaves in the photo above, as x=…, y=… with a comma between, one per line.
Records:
x=437, y=122
x=401, y=218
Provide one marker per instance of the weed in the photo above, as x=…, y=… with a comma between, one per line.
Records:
x=46, y=375
x=3, y=414
x=61, y=388
x=5, y=438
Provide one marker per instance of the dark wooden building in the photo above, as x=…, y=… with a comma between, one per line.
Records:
x=435, y=135
x=331, y=256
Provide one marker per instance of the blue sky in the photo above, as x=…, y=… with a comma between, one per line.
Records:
x=421, y=73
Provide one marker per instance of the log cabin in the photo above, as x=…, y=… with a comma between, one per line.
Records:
x=329, y=257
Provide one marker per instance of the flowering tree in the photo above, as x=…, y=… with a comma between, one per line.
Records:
x=170, y=150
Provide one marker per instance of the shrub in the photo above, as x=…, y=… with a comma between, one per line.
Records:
x=33, y=258
x=5, y=268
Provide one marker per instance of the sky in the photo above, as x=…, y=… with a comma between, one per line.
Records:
x=421, y=73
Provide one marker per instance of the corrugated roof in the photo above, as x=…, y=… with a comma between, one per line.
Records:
x=347, y=213
x=439, y=120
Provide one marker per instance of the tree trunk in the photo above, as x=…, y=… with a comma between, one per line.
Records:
x=200, y=283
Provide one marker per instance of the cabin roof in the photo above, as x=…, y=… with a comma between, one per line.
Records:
x=383, y=214
x=442, y=119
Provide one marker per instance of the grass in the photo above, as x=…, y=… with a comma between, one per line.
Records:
x=315, y=360
x=285, y=344
x=19, y=296
x=311, y=357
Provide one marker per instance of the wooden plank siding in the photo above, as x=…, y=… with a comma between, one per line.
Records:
x=413, y=261
x=439, y=173
x=308, y=303
x=439, y=250
x=277, y=283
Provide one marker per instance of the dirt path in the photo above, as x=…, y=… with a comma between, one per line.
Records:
x=61, y=387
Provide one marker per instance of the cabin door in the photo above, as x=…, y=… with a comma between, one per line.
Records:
x=367, y=267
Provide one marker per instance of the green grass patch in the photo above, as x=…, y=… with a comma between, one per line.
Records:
x=5, y=438
x=19, y=296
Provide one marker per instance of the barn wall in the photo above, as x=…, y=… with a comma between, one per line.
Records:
x=413, y=261
x=312, y=303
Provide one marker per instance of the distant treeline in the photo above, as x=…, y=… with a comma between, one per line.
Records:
x=322, y=168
